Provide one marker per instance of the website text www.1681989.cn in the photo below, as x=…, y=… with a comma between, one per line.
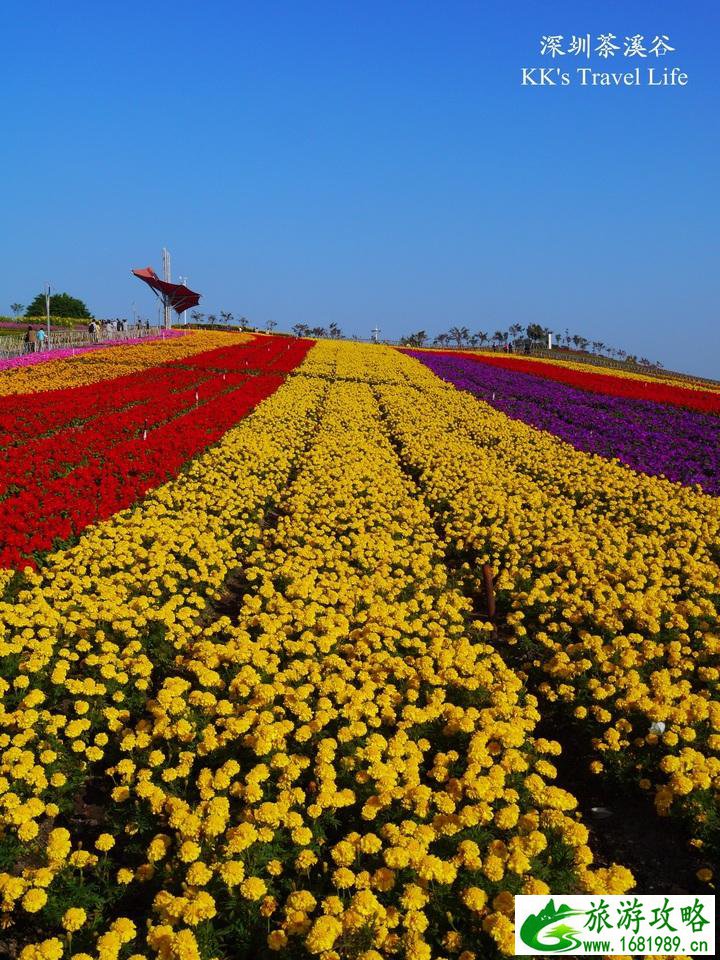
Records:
x=587, y=77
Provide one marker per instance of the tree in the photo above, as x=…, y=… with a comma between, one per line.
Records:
x=535, y=332
x=301, y=329
x=196, y=316
x=334, y=330
x=481, y=337
x=515, y=330
x=317, y=332
x=442, y=339
x=61, y=305
x=270, y=325
x=227, y=318
x=497, y=336
x=414, y=339
x=212, y=318
x=16, y=308
x=459, y=335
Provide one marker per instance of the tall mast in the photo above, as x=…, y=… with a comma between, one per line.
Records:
x=166, y=277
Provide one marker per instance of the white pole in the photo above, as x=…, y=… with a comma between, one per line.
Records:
x=47, y=312
x=549, y=341
x=166, y=276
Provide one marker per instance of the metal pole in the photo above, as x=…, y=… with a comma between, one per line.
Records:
x=47, y=312
x=166, y=277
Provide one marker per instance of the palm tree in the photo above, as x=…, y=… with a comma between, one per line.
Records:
x=515, y=330
x=16, y=308
x=270, y=325
x=481, y=337
x=334, y=331
x=497, y=337
x=226, y=317
x=442, y=339
x=459, y=335
x=414, y=339
x=212, y=318
x=301, y=329
x=196, y=316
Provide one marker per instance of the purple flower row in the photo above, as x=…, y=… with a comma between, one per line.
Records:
x=682, y=445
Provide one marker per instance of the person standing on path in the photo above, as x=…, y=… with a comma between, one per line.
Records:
x=41, y=338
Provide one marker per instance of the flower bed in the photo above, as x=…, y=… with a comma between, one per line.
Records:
x=633, y=388
x=658, y=439
x=265, y=712
x=108, y=449
x=607, y=582
x=42, y=356
x=91, y=366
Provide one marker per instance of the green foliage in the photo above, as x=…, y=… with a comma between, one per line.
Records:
x=61, y=305
x=536, y=332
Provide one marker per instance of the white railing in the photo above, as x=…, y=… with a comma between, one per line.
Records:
x=14, y=345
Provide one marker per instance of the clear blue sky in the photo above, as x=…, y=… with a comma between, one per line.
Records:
x=366, y=162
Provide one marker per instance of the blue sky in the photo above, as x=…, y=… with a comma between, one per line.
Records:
x=366, y=162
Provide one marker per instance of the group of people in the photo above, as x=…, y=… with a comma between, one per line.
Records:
x=35, y=340
x=104, y=329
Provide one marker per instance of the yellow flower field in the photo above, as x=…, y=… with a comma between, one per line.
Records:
x=265, y=712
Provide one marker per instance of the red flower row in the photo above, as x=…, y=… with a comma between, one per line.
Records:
x=660, y=392
x=38, y=461
x=32, y=415
x=56, y=485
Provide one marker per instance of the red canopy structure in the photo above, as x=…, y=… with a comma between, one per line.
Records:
x=175, y=295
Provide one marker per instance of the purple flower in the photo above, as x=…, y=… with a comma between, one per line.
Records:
x=657, y=439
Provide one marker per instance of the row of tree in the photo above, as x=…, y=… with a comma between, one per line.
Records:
x=532, y=335
x=63, y=305
x=303, y=330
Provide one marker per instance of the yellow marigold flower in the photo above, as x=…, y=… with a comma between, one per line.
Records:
x=189, y=851
x=199, y=874
x=343, y=878
x=73, y=919
x=277, y=940
x=232, y=872
x=323, y=934
x=34, y=900
x=253, y=888
x=58, y=844
x=200, y=908
x=474, y=899
x=104, y=842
